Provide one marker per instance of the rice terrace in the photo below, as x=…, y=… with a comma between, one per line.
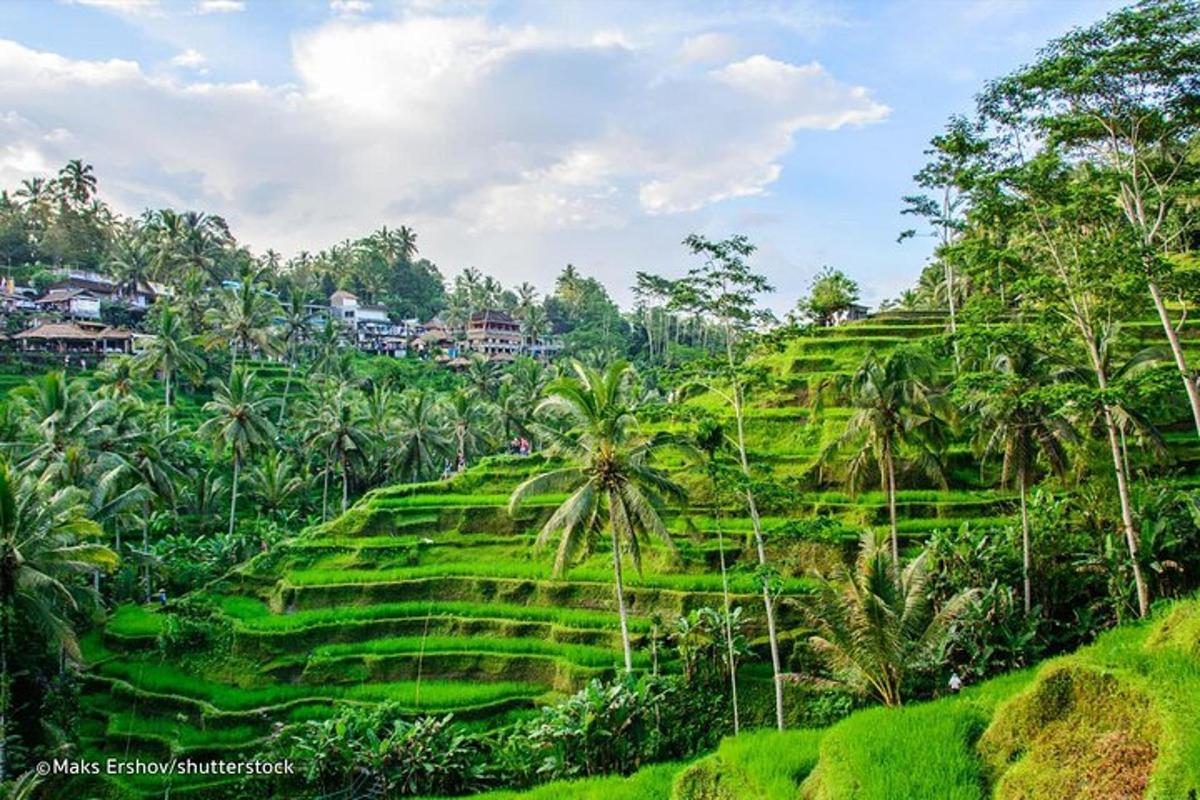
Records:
x=821, y=421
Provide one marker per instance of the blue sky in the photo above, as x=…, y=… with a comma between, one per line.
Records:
x=517, y=137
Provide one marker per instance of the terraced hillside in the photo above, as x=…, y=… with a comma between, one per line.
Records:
x=1113, y=720
x=432, y=596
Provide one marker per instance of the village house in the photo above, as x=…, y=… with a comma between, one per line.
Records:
x=494, y=334
x=75, y=337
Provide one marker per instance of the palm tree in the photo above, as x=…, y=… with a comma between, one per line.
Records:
x=294, y=326
x=341, y=435
x=78, y=181
x=171, y=351
x=238, y=422
x=420, y=434
x=274, y=482
x=611, y=477
x=1018, y=420
x=875, y=623
x=468, y=418
x=65, y=419
x=709, y=441
x=897, y=409
x=483, y=375
x=43, y=533
x=242, y=318
x=534, y=326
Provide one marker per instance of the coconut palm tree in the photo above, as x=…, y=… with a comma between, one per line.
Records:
x=65, y=418
x=875, y=623
x=421, y=438
x=341, y=434
x=274, y=482
x=172, y=350
x=44, y=545
x=239, y=422
x=1020, y=422
x=242, y=318
x=295, y=323
x=709, y=441
x=469, y=419
x=611, y=478
x=483, y=375
x=534, y=326
x=899, y=416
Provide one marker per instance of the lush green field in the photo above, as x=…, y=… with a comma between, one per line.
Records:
x=433, y=596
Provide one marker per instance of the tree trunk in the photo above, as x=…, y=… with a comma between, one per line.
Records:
x=1189, y=382
x=728, y=625
x=325, y=494
x=768, y=604
x=287, y=385
x=616, y=548
x=1131, y=537
x=5, y=643
x=1026, y=557
x=953, y=314
x=345, y=486
x=1114, y=444
x=233, y=494
x=890, y=466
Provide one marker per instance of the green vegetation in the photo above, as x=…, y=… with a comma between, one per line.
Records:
x=252, y=541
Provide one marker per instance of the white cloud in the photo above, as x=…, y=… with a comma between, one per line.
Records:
x=349, y=8
x=708, y=48
x=491, y=140
x=220, y=6
x=189, y=59
x=120, y=6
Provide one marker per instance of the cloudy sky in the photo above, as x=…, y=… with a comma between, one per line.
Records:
x=517, y=137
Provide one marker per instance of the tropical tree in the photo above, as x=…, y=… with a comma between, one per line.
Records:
x=875, y=624
x=709, y=441
x=1121, y=94
x=341, y=434
x=725, y=288
x=469, y=418
x=1019, y=418
x=238, y=422
x=611, y=478
x=44, y=544
x=274, y=482
x=292, y=329
x=830, y=293
x=899, y=416
x=421, y=438
x=171, y=350
x=242, y=318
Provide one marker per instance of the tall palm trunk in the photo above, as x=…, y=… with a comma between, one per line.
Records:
x=237, y=463
x=1026, y=550
x=5, y=680
x=287, y=385
x=616, y=549
x=345, y=485
x=1114, y=445
x=167, y=394
x=889, y=463
x=768, y=603
x=728, y=625
x=325, y=494
x=1189, y=381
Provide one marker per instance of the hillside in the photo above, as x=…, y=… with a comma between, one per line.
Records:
x=432, y=596
x=1113, y=720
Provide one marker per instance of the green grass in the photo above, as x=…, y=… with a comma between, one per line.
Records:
x=584, y=655
x=135, y=622
x=764, y=764
x=254, y=615
x=742, y=584
x=433, y=695
x=650, y=783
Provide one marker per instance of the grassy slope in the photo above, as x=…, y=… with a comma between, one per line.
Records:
x=438, y=579
x=1116, y=719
